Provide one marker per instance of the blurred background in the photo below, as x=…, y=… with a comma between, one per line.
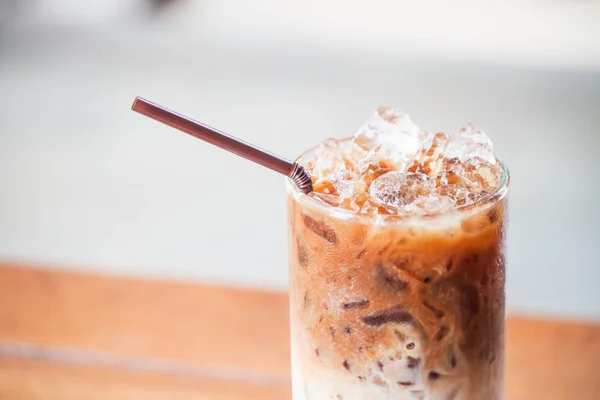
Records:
x=86, y=184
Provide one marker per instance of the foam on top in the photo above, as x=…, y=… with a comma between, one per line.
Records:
x=391, y=166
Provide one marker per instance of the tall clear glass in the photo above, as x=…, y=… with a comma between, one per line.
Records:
x=397, y=308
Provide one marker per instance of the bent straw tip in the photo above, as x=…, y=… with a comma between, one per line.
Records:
x=301, y=178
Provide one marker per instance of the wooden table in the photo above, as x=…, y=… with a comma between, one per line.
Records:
x=71, y=336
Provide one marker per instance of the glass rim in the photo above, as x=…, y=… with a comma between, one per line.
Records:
x=389, y=219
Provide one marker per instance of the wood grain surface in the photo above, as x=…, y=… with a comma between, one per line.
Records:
x=72, y=336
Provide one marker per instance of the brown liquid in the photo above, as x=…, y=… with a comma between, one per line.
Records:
x=395, y=311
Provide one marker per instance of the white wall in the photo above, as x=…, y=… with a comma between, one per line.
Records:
x=87, y=184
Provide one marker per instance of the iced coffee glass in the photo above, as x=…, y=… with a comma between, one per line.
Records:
x=397, y=284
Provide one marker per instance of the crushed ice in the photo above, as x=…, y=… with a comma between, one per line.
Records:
x=391, y=166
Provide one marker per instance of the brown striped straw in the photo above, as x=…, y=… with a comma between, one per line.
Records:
x=294, y=171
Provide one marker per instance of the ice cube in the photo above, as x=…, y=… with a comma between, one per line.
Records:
x=453, y=194
x=369, y=208
x=395, y=132
x=397, y=189
x=371, y=157
x=376, y=163
x=326, y=160
x=349, y=187
x=350, y=204
x=477, y=175
x=328, y=199
x=434, y=203
x=467, y=182
x=470, y=142
x=430, y=160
